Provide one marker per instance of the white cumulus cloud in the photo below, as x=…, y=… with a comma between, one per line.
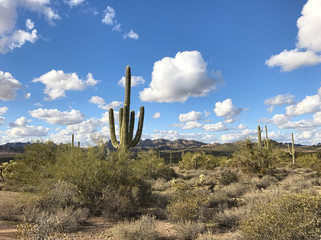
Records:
x=278, y=100
x=54, y=116
x=176, y=79
x=308, y=46
x=102, y=104
x=3, y=110
x=190, y=116
x=220, y=126
x=20, y=129
x=73, y=3
x=310, y=104
x=109, y=16
x=57, y=82
x=9, y=85
x=135, y=80
x=227, y=110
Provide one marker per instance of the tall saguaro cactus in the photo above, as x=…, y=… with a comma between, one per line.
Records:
x=126, y=122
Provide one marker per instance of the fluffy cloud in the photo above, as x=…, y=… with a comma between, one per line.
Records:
x=102, y=104
x=236, y=136
x=293, y=59
x=309, y=104
x=54, y=116
x=73, y=3
x=20, y=129
x=135, y=80
x=278, y=100
x=227, y=110
x=11, y=38
x=109, y=16
x=190, y=116
x=84, y=132
x=308, y=46
x=3, y=110
x=176, y=79
x=8, y=86
x=17, y=39
x=192, y=125
x=131, y=34
x=174, y=135
x=57, y=82
x=220, y=126
x=8, y=12
x=157, y=115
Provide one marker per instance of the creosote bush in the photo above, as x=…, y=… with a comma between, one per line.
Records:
x=198, y=160
x=188, y=230
x=292, y=216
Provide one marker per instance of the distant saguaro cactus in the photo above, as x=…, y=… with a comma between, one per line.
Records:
x=292, y=152
x=126, y=125
x=259, y=139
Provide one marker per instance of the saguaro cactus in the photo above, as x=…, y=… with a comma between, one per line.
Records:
x=292, y=152
x=259, y=139
x=126, y=124
x=266, y=138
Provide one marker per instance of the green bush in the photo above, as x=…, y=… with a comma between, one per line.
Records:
x=198, y=160
x=254, y=160
x=227, y=177
x=149, y=166
x=292, y=216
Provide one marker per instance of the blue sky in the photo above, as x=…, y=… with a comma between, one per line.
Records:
x=204, y=70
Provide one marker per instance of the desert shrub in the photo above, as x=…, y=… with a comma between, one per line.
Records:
x=198, y=160
x=161, y=184
x=11, y=205
x=123, y=201
x=229, y=218
x=264, y=182
x=227, y=177
x=254, y=160
x=142, y=229
x=207, y=236
x=221, y=200
x=30, y=169
x=149, y=166
x=188, y=230
x=187, y=203
x=234, y=190
x=292, y=216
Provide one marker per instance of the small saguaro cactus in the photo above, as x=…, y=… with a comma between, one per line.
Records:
x=292, y=151
x=126, y=124
x=266, y=138
x=72, y=140
x=259, y=139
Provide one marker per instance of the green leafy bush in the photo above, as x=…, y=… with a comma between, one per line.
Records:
x=292, y=216
x=198, y=160
x=149, y=166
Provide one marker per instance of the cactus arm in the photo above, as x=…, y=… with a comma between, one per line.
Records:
x=131, y=126
x=139, y=128
x=121, y=112
x=112, y=128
